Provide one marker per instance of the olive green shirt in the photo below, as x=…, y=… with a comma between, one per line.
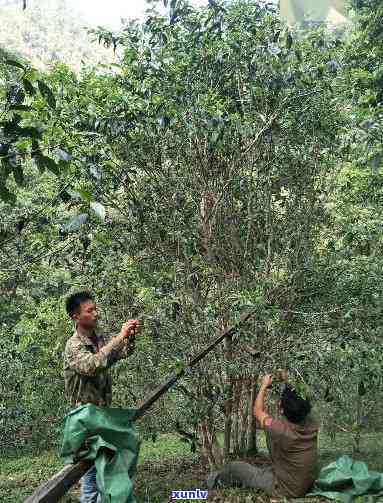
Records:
x=86, y=370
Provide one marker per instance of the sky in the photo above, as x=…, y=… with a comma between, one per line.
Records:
x=109, y=12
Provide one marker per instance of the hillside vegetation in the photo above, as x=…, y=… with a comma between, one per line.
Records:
x=49, y=32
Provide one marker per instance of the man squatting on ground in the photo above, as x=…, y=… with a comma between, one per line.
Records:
x=292, y=444
x=87, y=358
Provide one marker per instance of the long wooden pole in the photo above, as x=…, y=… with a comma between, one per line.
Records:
x=52, y=490
x=170, y=382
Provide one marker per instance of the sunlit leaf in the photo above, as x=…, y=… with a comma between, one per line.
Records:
x=84, y=194
x=63, y=155
x=99, y=209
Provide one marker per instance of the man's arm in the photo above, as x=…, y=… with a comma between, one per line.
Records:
x=85, y=363
x=259, y=409
x=127, y=348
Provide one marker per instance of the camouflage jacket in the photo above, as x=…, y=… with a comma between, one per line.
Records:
x=86, y=370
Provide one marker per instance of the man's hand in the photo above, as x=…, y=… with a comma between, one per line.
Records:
x=130, y=329
x=267, y=381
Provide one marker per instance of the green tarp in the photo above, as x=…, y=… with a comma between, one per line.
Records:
x=107, y=436
x=346, y=479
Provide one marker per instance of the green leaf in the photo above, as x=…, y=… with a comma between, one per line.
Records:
x=17, y=64
x=65, y=196
x=276, y=36
x=164, y=121
x=12, y=127
x=21, y=108
x=31, y=74
x=6, y=167
x=214, y=137
x=320, y=71
x=95, y=171
x=30, y=132
x=361, y=389
x=46, y=162
x=328, y=396
x=47, y=93
x=29, y=88
x=4, y=148
x=99, y=209
x=301, y=389
x=87, y=196
x=179, y=367
x=289, y=40
x=6, y=195
x=18, y=174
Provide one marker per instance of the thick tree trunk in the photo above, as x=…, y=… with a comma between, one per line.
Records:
x=244, y=424
x=210, y=445
x=236, y=415
x=206, y=445
x=356, y=446
x=228, y=428
x=245, y=415
x=228, y=403
x=252, y=427
x=217, y=450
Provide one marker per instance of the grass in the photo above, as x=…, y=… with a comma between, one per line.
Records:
x=164, y=466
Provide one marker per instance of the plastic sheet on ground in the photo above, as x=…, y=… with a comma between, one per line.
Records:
x=346, y=479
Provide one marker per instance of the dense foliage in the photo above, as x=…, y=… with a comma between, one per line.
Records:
x=225, y=163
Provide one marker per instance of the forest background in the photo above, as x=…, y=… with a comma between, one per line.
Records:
x=197, y=163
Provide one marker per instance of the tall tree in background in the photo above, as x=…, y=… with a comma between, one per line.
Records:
x=211, y=151
x=205, y=176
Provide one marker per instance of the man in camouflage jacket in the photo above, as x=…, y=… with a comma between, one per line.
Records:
x=87, y=359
